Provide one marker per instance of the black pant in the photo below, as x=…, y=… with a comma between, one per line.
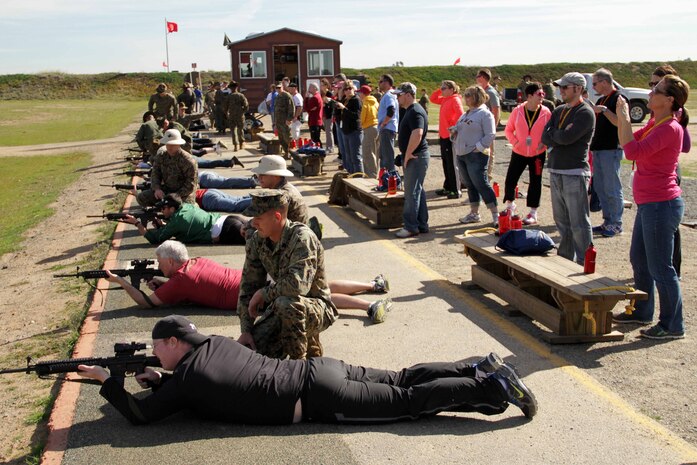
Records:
x=315, y=132
x=446, y=157
x=336, y=392
x=515, y=169
x=231, y=233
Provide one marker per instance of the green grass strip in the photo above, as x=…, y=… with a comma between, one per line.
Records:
x=32, y=122
x=28, y=185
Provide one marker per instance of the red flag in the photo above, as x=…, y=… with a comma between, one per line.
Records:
x=456, y=61
x=164, y=64
x=172, y=27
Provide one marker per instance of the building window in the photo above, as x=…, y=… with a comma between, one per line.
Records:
x=320, y=62
x=252, y=65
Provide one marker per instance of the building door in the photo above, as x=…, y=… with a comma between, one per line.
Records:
x=286, y=62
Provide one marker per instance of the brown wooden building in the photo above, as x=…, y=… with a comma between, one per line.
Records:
x=265, y=58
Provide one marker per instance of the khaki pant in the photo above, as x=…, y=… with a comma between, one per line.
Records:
x=283, y=136
x=236, y=124
x=370, y=154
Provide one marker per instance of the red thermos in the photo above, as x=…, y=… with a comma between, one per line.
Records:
x=516, y=222
x=504, y=221
x=392, y=185
x=380, y=174
x=495, y=186
x=589, y=262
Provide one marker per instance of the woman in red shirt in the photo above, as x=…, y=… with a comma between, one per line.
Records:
x=448, y=97
x=655, y=149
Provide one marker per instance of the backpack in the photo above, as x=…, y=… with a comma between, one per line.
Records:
x=337, y=189
x=386, y=178
x=525, y=242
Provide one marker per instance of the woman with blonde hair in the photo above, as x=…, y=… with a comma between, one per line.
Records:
x=448, y=97
x=472, y=135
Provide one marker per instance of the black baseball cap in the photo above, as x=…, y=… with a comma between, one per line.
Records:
x=180, y=327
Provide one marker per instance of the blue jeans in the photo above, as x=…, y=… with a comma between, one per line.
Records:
x=472, y=168
x=651, y=255
x=415, y=211
x=211, y=180
x=571, y=213
x=353, y=157
x=608, y=185
x=341, y=145
x=216, y=163
x=386, y=141
x=217, y=201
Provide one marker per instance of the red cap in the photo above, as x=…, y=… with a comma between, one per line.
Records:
x=365, y=90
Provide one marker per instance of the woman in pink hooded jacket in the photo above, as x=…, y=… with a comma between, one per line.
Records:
x=448, y=97
x=524, y=131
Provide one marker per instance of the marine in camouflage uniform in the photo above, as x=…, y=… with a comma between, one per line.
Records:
x=163, y=104
x=297, y=303
x=176, y=174
x=148, y=135
x=187, y=97
x=218, y=111
x=185, y=133
x=235, y=106
x=283, y=111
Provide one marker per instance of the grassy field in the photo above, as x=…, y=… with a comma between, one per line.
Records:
x=32, y=183
x=30, y=122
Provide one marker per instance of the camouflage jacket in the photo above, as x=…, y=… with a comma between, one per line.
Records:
x=295, y=264
x=283, y=107
x=297, y=210
x=186, y=120
x=163, y=106
x=147, y=134
x=175, y=174
x=235, y=105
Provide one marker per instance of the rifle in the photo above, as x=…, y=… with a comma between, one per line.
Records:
x=141, y=186
x=131, y=149
x=140, y=272
x=140, y=173
x=150, y=214
x=124, y=361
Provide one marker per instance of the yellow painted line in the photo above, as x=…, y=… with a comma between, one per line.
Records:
x=688, y=451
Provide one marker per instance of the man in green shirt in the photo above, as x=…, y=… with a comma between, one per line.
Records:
x=189, y=224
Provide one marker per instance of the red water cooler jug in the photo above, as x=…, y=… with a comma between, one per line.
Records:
x=516, y=222
x=392, y=185
x=504, y=221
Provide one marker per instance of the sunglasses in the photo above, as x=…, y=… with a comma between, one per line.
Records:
x=540, y=93
x=653, y=83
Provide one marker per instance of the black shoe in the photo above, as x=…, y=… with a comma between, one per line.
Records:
x=518, y=393
x=454, y=195
x=316, y=227
x=442, y=192
x=236, y=161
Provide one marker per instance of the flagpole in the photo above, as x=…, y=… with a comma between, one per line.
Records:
x=167, y=44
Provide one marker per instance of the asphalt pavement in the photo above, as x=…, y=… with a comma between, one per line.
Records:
x=579, y=421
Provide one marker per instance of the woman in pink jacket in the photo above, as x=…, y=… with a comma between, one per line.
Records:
x=448, y=97
x=524, y=132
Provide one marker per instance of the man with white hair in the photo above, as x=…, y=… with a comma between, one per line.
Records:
x=173, y=171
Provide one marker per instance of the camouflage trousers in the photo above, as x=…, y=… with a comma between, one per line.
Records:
x=236, y=125
x=292, y=328
x=146, y=198
x=283, y=136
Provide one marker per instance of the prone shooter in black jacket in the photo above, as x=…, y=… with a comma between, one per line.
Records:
x=218, y=378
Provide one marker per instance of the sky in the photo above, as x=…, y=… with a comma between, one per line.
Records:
x=95, y=36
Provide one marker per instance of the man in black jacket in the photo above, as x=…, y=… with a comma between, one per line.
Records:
x=218, y=378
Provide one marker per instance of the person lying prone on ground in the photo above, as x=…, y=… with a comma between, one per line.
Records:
x=202, y=281
x=218, y=378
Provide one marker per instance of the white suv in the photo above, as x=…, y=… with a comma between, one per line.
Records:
x=638, y=98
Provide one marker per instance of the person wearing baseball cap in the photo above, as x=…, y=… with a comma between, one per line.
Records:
x=218, y=379
x=414, y=149
x=283, y=318
x=568, y=135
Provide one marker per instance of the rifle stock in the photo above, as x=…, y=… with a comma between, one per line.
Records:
x=139, y=273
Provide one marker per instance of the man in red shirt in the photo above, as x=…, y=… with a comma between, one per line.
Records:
x=202, y=281
x=313, y=107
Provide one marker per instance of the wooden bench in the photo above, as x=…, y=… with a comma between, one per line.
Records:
x=269, y=144
x=385, y=211
x=307, y=164
x=550, y=289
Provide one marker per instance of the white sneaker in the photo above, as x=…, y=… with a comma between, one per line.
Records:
x=471, y=218
x=530, y=219
x=217, y=148
x=404, y=233
x=512, y=208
